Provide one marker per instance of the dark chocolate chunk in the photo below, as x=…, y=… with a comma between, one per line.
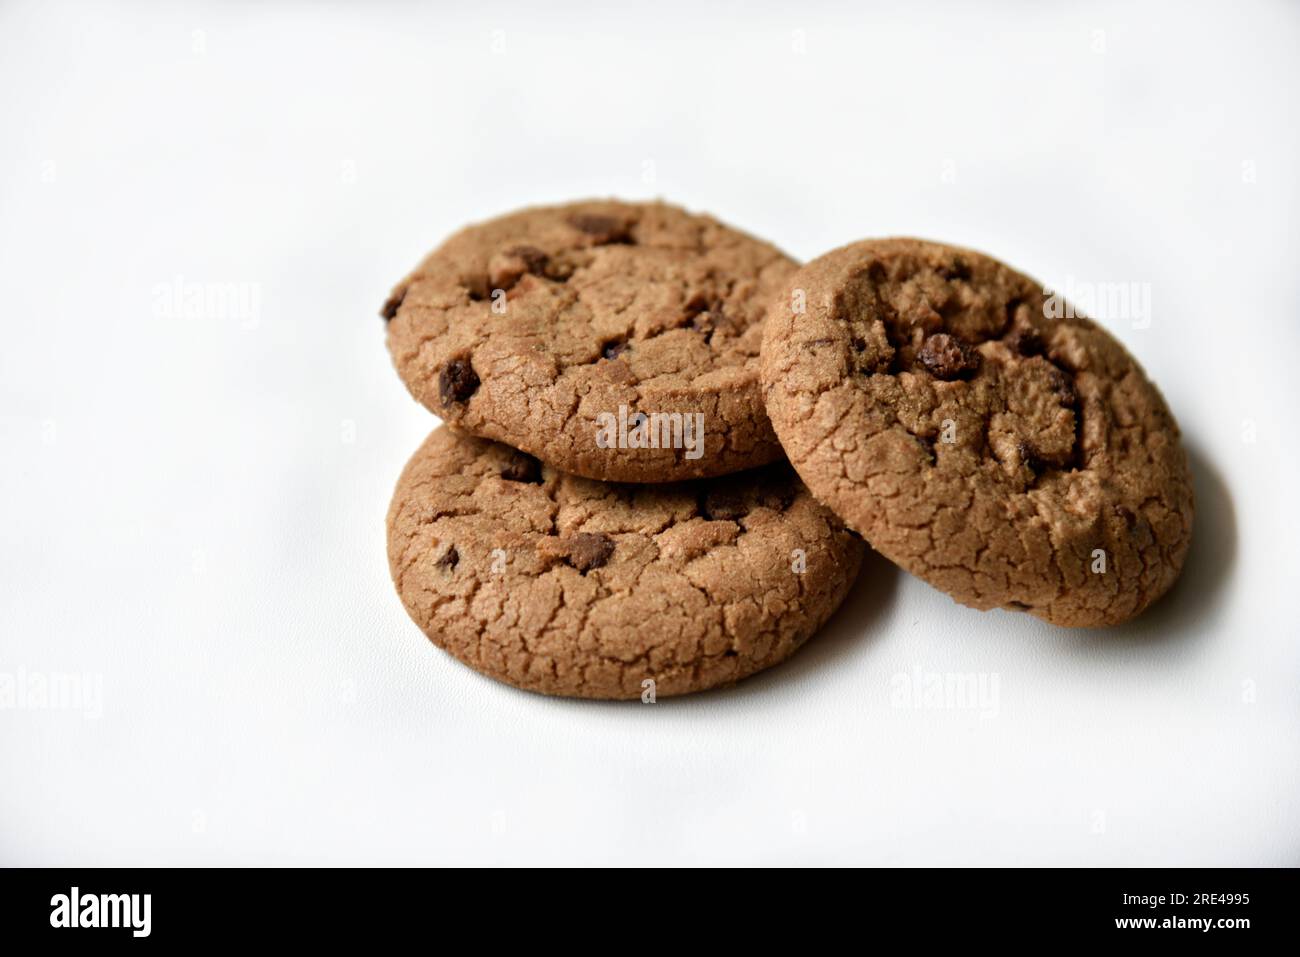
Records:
x=1029, y=458
x=588, y=550
x=533, y=258
x=947, y=357
x=523, y=468
x=393, y=303
x=457, y=381
x=506, y=268
x=1063, y=386
x=1025, y=340
x=959, y=270
x=602, y=229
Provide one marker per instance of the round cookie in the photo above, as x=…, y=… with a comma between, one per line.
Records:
x=977, y=432
x=568, y=586
x=552, y=329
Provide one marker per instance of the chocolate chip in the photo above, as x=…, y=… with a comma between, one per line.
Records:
x=1029, y=458
x=522, y=468
x=393, y=303
x=588, y=550
x=457, y=381
x=507, y=267
x=1062, y=386
x=448, y=559
x=602, y=229
x=959, y=270
x=947, y=357
x=533, y=258
x=1025, y=340
x=612, y=350
x=721, y=505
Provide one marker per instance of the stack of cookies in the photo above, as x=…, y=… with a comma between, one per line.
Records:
x=666, y=443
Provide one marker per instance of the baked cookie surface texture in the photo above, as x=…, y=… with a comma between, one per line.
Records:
x=573, y=587
x=977, y=432
x=613, y=340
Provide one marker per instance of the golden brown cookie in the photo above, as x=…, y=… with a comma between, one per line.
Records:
x=587, y=589
x=613, y=340
x=931, y=398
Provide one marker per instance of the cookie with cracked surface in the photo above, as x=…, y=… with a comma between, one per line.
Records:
x=537, y=328
x=574, y=587
x=977, y=432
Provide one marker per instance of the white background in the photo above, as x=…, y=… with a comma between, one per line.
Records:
x=193, y=501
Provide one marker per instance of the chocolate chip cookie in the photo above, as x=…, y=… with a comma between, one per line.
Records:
x=612, y=340
x=978, y=432
x=568, y=586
